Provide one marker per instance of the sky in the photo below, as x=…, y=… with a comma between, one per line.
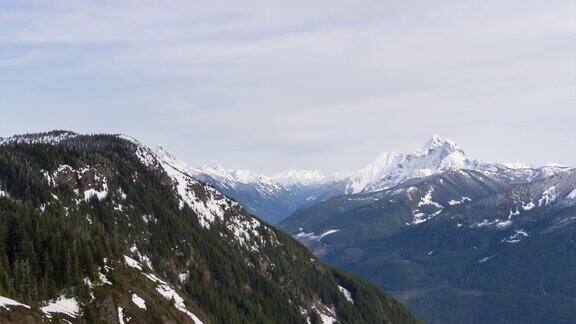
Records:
x=276, y=85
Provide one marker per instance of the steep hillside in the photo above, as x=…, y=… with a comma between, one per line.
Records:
x=455, y=250
x=271, y=198
x=101, y=229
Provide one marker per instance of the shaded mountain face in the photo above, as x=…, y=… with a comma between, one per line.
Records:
x=271, y=198
x=274, y=198
x=460, y=246
x=102, y=229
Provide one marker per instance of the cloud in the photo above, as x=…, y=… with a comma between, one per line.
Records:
x=276, y=84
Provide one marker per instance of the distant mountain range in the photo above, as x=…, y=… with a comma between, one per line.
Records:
x=486, y=243
x=274, y=198
x=458, y=240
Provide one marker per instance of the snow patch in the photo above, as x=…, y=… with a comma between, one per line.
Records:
x=63, y=305
x=346, y=294
x=183, y=276
x=312, y=236
x=548, y=196
x=139, y=301
x=497, y=222
x=120, y=315
x=503, y=224
x=100, y=194
x=572, y=194
x=132, y=263
x=103, y=278
x=244, y=230
x=143, y=258
x=327, y=314
x=5, y=302
x=528, y=206
x=328, y=232
x=427, y=200
x=168, y=293
x=516, y=237
x=457, y=202
x=208, y=210
x=487, y=258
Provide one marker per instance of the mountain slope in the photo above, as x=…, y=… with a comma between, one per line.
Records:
x=271, y=198
x=100, y=228
x=506, y=254
x=376, y=214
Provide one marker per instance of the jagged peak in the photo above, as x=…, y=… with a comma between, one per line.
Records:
x=437, y=141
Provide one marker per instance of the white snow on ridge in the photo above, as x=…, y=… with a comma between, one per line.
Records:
x=391, y=168
x=5, y=302
x=132, y=263
x=168, y=293
x=208, y=211
x=346, y=294
x=302, y=178
x=388, y=170
x=548, y=196
x=63, y=305
x=327, y=314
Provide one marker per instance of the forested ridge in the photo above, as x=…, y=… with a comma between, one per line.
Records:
x=70, y=211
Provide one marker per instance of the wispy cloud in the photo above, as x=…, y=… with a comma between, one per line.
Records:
x=281, y=84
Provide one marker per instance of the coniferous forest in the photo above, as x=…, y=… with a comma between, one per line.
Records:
x=58, y=240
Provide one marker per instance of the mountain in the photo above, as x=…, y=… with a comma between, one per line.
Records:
x=491, y=245
x=275, y=198
x=271, y=198
x=100, y=228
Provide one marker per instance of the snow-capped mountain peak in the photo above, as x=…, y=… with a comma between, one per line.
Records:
x=281, y=194
x=300, y=178
x=436, y=141
x=164, y=155
x=389, y=169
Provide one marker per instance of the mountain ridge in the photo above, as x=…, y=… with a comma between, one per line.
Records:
x=284, y=193
x=100, y=228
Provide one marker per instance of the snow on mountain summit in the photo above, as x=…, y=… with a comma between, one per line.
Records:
x=300, y=178
x=281, y=194
x=438, y=154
